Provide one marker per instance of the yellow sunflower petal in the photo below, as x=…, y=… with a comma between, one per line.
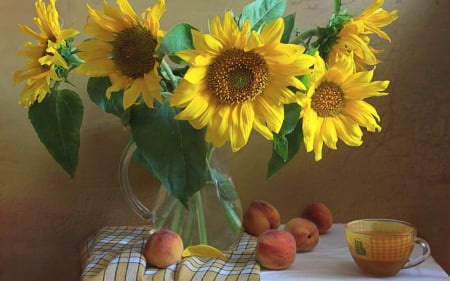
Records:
x=261, y=128
x=202, y=250
x=229, y=25
x=28, y=31
x=26, y=73
x=128, y=12
x=217, y=131
x=194, y=109
x=360, y=77
x=112, y=24
x=118, y=82
x=273, y=114
x=60, y=61
x=329, y=134
x=287, y=66
x=364, y=114
x=362, y=91
x=317, y=141
x=241, y=125
x=184, y=93
x=209, y=43
x=31, y=51
x=131, y=94
x=157, y=10
x=231, y=30
x=254, y=41
x=151, y=89
x=216, y=27
x=318, y=146
x=96, y=68
x=241, y=38
x=311, y=124
x=206, y=116
x=195, y=74
x=94, y=30
x=188, y=55
x=272, y=33
x=348, y=130
x=94, y=50
x=340, y=71
x=68, y=33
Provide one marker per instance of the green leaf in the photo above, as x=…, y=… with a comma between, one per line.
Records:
x=291, y=117
x=179, y=37
x=175, y=152
x=96, y=89
x=289, y=24
x=287, y=142
x=57, y=121
x=261, y=12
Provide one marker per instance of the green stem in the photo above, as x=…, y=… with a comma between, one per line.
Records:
x=203, y=236
x=177, y=219
x=232, y=217
x=172, y=78
x=305, y=36
x=337, y=6
x=187, y=238
x=209, y=154
x=167, y=211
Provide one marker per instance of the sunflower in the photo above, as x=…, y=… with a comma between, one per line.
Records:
x=45, y=59
x=123, y=48
x=238, y=81
x=334, y=108
x=353, y=38
x=374, y=18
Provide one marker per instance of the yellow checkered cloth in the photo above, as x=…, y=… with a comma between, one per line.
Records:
x=115, y=253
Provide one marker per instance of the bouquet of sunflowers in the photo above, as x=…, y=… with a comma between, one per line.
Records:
x=183, y=92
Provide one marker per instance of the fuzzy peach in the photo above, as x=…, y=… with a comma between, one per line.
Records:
x=275, y=249
x=320, y=214
x=163, y=248
x=305, y=233
x=259, y=217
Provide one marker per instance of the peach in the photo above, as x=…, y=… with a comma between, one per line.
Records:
x=275, y=249
x=320, y=215
x=163, y=248
x=305, y=233
x=259, y=217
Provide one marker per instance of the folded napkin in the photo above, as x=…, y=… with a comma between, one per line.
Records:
x=115, y=253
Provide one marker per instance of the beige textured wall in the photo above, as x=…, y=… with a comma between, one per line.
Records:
x=402, y=172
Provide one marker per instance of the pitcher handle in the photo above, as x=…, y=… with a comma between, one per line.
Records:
x=124, y=182
x=426, y=251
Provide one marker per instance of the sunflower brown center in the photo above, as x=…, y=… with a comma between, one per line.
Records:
x=328, y=100
x=133, y=51
x=237, y=76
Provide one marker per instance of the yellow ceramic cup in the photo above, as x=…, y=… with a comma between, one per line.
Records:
x=382, y=247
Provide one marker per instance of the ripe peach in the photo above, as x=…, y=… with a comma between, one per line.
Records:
x=305, y=233
x=275, y=249
x=259, y=217
x=320, y=215
x=163, y=248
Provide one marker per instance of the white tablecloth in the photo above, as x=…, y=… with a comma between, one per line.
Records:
x=331, y=260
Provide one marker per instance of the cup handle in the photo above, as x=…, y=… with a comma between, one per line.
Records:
x=426, y=251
